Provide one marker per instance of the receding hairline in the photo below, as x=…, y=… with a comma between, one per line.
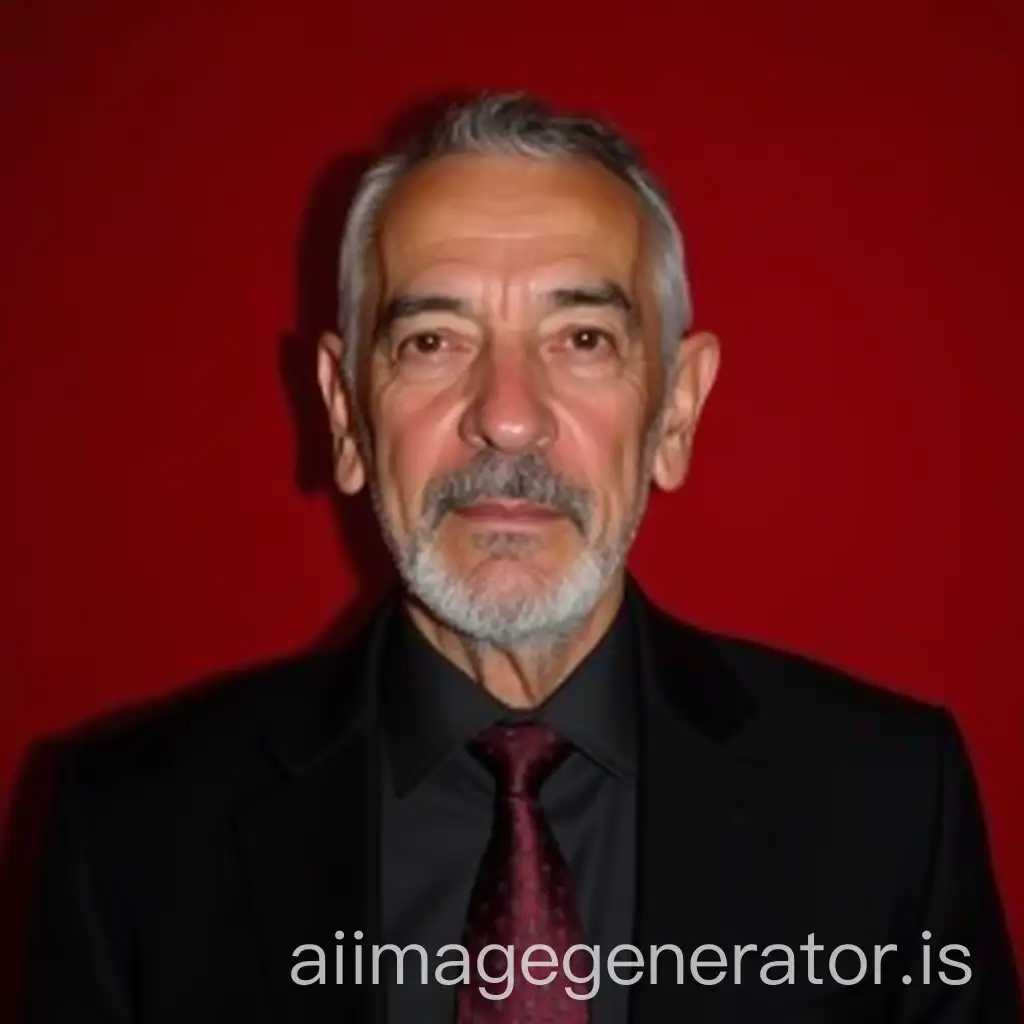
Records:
x=431, y=164
x=608, y=187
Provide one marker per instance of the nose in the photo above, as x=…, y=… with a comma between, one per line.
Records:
x=508, y=411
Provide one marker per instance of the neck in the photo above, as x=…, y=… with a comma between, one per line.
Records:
x=523, y=676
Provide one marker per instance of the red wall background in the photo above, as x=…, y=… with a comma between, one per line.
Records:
x=849, y=176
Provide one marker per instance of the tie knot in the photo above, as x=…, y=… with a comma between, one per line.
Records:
x=521, y=756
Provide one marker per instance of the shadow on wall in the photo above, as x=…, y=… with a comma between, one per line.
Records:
x=315, y=289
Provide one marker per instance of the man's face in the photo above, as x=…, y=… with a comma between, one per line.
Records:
x=511, y=377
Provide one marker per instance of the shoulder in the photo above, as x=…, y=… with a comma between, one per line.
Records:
x=786, y=681
x=204, y=745
x=880, y=766
x=808, y=709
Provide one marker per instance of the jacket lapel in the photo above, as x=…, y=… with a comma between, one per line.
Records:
x=704, y=819
x=309, y=843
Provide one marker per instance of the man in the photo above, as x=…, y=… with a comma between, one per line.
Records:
x=521, y=752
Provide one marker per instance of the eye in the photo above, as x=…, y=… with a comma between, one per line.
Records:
x=588, y=340
x=426, y=343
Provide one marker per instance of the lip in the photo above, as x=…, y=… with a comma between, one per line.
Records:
x=522, y=513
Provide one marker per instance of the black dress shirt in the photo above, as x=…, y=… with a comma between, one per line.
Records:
x=438, y=805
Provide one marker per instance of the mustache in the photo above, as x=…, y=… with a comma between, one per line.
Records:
x=490, y=475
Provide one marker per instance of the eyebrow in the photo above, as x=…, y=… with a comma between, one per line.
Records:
x=401, y=307
x=607, y=293
x=604, y=294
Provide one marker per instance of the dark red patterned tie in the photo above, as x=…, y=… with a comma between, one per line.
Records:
x=523, y=894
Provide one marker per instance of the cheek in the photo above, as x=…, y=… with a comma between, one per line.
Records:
x=602, y=443
x=411, y=448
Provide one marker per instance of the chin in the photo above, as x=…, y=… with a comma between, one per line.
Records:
x=508, y=601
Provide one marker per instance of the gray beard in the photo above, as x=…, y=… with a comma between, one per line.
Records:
x=504, y=616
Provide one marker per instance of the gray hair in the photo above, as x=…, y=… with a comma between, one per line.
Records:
x=515, y=124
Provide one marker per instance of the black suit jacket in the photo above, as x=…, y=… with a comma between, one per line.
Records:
x=190, y=856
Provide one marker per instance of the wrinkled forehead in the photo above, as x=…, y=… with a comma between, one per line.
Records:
x=480, y=221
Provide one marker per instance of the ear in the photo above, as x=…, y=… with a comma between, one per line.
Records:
x=695, y=374
x=349, y=469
